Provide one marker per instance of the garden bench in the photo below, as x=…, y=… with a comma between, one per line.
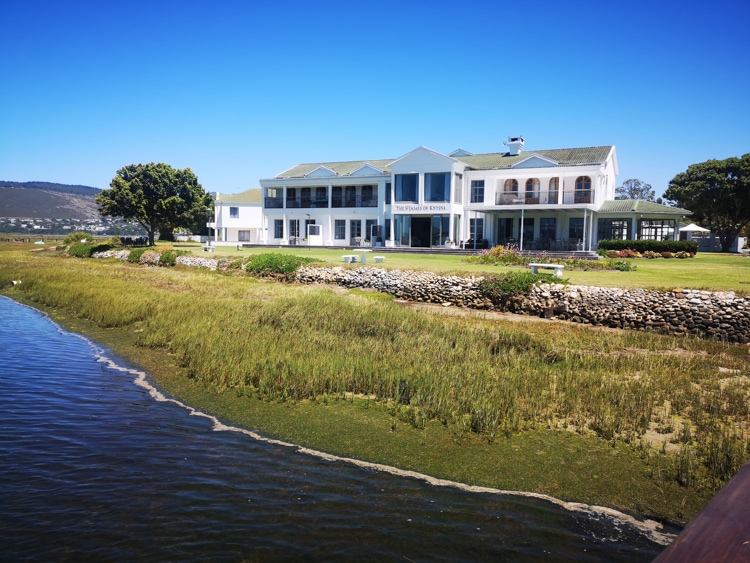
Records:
x=378, y=259
x=558, y=268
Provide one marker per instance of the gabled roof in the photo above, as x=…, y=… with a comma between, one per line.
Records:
x=338, y=168
x=564, y=157
x=320, y=172
x=253, y=195
x=489, y=161
x=639, y=206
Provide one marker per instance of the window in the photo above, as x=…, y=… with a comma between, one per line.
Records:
x=511, y=187
x=368, y=200
x=337, y=197
x=350, y=193
x=355, y=228
x=234, y=212
x=340, y=229
x=614, y=229
x=308, y=222
x=406, y=187
x=548, y=228
x=291, y=197
x=528, y=229
x=437, y=186
x=554, y=184
x=477, y=191
x=656, y=229
x=532, y=190
x=369, y=224
x=476, y=229
x=321, y=197
x=293, y=228
x=278, y=228
x=388, y=196
x=274, y=198
x=575, y=228
x=458, y=187
x=243, y=236
x=388, y=229
x=583, y=190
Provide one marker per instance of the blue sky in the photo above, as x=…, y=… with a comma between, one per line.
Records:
x=242, y=90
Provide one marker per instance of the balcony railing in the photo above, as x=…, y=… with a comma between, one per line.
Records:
x=544, y=198
x=356, y=201
x=307, y=203
x=274, y=203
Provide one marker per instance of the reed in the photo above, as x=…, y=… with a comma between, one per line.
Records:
x=493, y=379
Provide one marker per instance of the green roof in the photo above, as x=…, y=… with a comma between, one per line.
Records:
x=253, y=195
x=639, y=206
x=340, y=168
x=564, y=157
x=490, y=161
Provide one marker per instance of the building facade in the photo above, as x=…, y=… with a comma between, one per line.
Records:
x=559, y=199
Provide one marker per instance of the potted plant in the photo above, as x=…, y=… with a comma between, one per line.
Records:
x=378, y=241
x=449, y=243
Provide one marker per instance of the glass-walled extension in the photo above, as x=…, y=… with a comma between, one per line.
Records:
x=421, y=230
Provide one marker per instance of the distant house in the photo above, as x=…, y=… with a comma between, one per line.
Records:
x=238, y=217
x=558, y=199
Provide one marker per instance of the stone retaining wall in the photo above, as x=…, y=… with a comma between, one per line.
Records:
x=719, y=315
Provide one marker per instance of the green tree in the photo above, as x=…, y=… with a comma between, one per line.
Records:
x=718, y=194
x=635, y=189
x=156, y=196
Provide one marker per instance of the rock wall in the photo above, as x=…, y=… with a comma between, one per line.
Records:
x=719, y=315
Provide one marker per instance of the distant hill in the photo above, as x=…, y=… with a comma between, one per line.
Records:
x=48, y=200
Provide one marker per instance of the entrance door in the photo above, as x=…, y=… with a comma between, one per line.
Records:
x=421, y=231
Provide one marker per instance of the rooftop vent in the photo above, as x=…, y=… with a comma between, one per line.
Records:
x=515, y=145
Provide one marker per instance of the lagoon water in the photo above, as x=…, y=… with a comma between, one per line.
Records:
x=94, y=467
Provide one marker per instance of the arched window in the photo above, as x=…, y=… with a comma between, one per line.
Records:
x=583, y=189
x=511, y=186
x=553, y=187
x=532, y=190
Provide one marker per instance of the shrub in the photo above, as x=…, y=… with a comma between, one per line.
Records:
x=650, y=254
x=135, y=255
x=666, y=254
x=498, y=288
x=169, y=256
x=77, y=236
x=276, y=264
x=653, y=245
x=83, y=250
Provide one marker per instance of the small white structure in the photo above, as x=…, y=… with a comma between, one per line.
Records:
x=238, y=218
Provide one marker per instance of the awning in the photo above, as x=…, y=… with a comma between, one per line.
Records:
x=693, y=228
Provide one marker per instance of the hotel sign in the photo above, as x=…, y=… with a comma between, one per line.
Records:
x=421, y=208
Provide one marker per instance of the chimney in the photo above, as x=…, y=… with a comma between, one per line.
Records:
x=515, y=145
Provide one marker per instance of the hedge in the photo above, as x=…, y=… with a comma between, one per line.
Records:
x=650, y=245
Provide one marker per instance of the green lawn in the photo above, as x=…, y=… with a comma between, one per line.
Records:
x=710, y=271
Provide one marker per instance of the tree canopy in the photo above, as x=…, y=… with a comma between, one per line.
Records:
x=718, y=194
x=635, y=189
x=157, y=196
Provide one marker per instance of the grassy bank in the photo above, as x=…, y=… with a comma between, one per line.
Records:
x=646, y=423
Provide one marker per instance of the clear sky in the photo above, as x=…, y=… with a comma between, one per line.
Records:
x=242, y=90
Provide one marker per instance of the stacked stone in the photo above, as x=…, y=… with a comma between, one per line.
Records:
x=424, y=287
x=720, y=315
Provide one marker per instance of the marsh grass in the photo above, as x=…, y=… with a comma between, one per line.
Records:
x=487, y=379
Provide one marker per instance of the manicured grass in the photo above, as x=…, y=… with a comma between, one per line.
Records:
x=554, y=408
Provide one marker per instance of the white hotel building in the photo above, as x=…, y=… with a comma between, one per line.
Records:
x=559, y=199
